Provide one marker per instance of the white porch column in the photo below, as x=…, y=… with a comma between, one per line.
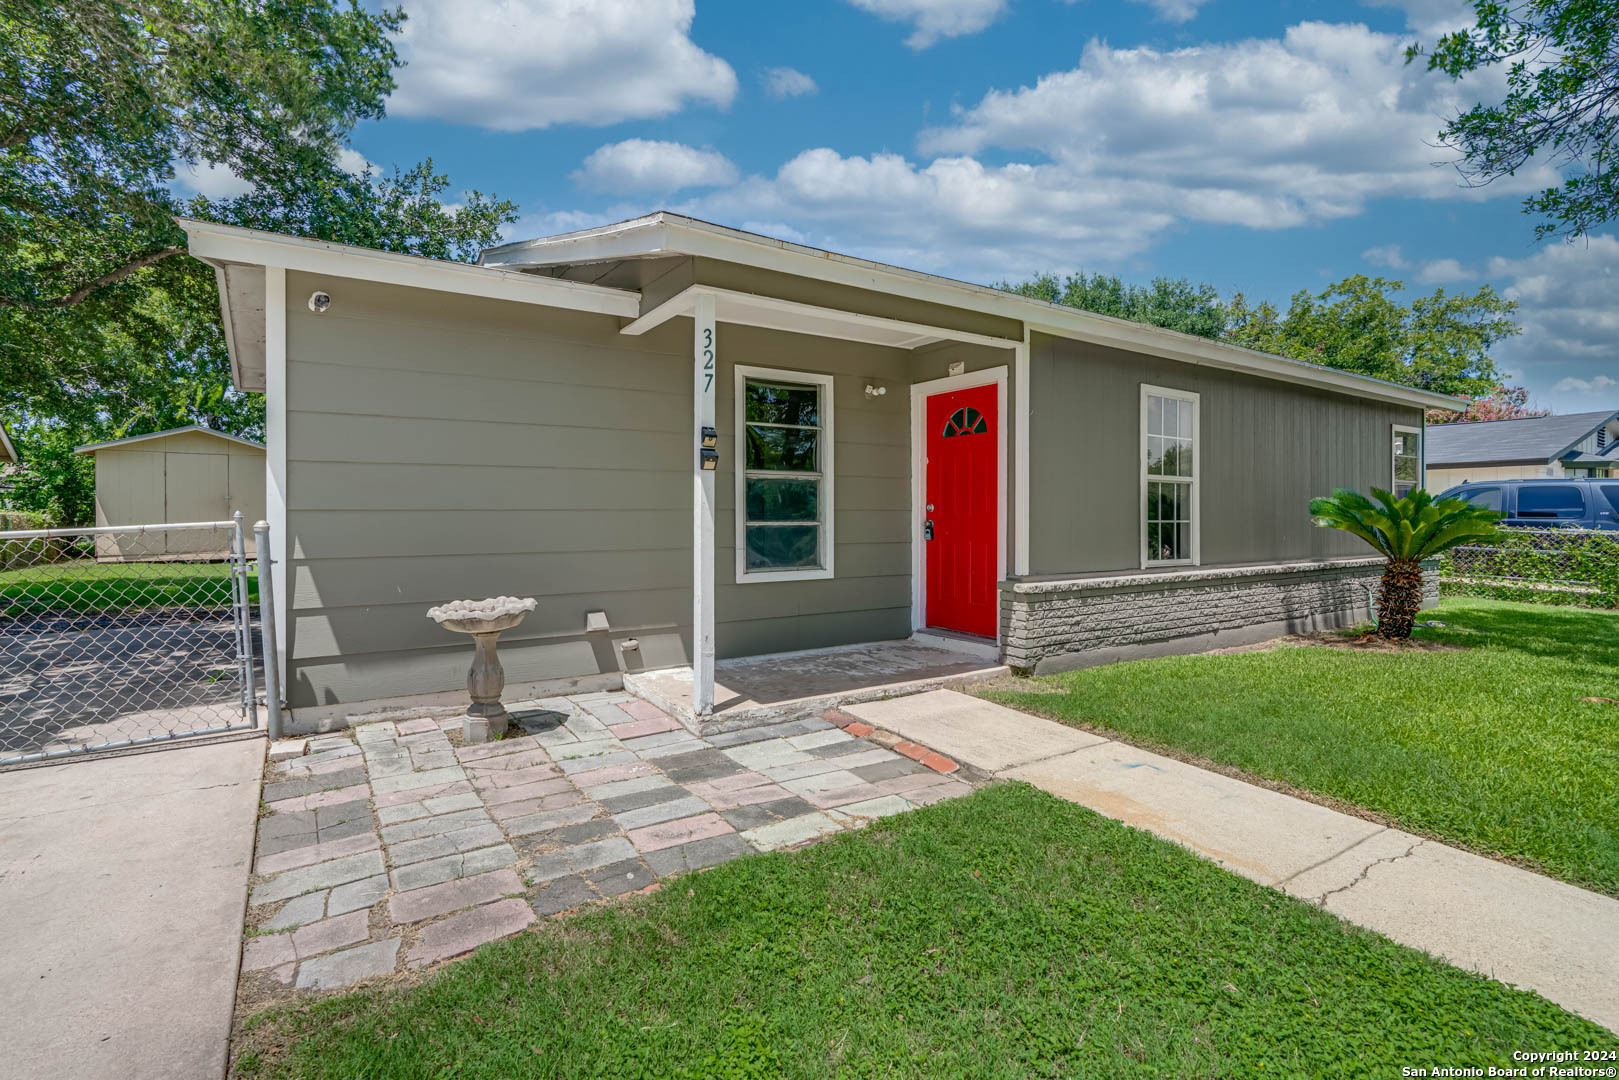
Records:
x=704, y=372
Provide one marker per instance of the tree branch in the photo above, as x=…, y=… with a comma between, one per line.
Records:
x=79, y=295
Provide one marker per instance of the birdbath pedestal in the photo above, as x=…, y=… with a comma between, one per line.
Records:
x=484, y=620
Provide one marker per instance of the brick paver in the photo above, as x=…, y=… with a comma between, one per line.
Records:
x=393, y=831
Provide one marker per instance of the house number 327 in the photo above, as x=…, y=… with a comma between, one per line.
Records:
x=708, y=359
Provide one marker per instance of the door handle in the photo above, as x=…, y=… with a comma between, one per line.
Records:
x=927, y=529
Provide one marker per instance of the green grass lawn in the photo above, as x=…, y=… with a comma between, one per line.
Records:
x=1488, y=746
x=1007, y=934
x=85, y=585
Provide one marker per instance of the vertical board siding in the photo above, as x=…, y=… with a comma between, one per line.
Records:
x=442, y=447
x=1267, y=447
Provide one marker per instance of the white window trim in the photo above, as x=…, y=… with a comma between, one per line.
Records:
x=920, y=392
x=1422, y=457
x=1197, y=475
x=828, y=547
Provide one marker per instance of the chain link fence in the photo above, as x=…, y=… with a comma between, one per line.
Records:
x=1576, y=567
x=117, y=637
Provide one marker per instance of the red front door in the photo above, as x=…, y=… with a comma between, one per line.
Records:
x=960, y=444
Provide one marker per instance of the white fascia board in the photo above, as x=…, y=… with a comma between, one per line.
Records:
x=1230, y=358
x=227, y=243
x=189, y=429
x=229, y=324
x=668, y=234
x=625, y=240
x=751, y=309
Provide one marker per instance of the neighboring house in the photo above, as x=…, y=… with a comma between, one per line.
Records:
x=1578, y=444
x=181, y=475
x=890, y=451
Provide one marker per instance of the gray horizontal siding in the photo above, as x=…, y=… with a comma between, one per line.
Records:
x=1267, y=447
x=320, y=485
x=445, y=447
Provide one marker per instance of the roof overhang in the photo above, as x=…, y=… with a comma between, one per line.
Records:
x=8, y=452
x=748, y=309
x=189, y=429
x=664, y=233
x=240, y=256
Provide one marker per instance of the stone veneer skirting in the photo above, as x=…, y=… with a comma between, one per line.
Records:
x=1058, y=625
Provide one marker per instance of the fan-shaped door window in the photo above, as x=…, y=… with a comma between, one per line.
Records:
x=966, y=422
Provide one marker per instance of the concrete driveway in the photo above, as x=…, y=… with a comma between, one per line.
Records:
x=122, y=886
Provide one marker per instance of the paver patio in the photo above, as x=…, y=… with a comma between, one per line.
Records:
x=391, y=847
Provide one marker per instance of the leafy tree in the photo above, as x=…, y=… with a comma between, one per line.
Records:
x=1501, y=403
x=1405, y=532
x=1440, y=342
x=103, y=331
x=1562, y=97
x=53, y=481
x=1174, y=305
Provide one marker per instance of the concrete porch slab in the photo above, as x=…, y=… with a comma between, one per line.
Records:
x=768, y=689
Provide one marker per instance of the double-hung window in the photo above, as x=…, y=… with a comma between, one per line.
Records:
x=1169, y=492
x=1407, y=460
x=783, y=475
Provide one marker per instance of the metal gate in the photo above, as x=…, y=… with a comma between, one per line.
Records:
x=132, y=635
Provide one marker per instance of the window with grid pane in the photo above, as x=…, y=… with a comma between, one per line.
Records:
x=1407, y=461
x=1169, y=435
x=783, y=511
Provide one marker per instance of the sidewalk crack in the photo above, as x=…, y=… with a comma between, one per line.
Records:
x=1321, y=901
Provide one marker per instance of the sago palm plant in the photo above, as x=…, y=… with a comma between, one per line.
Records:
x=1405, y=532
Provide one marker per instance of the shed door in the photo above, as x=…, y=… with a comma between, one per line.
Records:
x=198, y=489
x=961, y=442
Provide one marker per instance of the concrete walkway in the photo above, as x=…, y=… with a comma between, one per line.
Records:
x=1476, y=913
x=122, y=885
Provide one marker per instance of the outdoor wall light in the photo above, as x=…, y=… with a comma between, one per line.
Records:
x=876, y=391
x=711, y=438
x=710, y=459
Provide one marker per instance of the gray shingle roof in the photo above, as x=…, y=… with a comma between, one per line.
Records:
x=1535, y=438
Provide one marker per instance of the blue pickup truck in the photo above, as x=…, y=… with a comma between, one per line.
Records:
x=1573, y=503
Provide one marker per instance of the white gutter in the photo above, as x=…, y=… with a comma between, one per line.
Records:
x=226, y=243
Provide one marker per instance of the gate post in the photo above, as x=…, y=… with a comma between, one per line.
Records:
x=244, y=617
x=272, y=656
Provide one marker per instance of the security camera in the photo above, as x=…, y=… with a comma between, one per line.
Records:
x=319, y=302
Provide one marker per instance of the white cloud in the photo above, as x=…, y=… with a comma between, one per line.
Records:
x=1445, y=272
x=1386, y=255
x=352, y=161
x=526, y=64
x=936, y=19
x=1430, y=18
x=652, y=167
x=1599, y=384
x=954, y=215
x=1264, y=133
x=1105, y=158
x=786, y=82
x=209, y=180
x=1177, y=11
x=1570, y=323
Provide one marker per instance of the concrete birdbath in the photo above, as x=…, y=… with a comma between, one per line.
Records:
x=484, y=620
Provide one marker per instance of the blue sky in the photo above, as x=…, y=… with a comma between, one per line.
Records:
x=1262, y=147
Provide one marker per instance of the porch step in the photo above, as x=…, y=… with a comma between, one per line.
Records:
x=754, y=690
x=971, y=644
